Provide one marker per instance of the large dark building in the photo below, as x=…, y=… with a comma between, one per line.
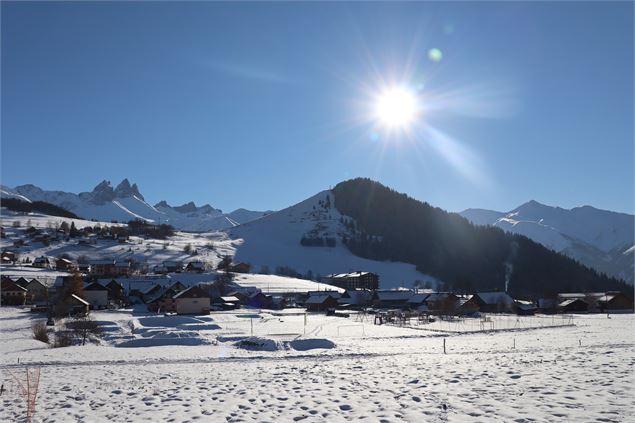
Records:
x=354, y=280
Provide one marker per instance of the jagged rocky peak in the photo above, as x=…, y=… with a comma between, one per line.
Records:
x=186, y=208
x=162, y=203
x=124, y=189
x=102, y=193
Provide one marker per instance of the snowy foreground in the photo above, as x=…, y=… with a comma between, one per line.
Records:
x=209, y=368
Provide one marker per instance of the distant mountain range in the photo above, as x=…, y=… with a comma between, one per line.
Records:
x=124, y=203
x=601, y=239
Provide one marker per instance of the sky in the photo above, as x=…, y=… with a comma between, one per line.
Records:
x=260, y=105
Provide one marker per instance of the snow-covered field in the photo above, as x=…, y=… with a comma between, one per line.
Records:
x=209, y=368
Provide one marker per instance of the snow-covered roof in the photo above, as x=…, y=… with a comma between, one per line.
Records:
x=317, y=299
x=81, y=300
x=495, y=297
x=102, y=262
x=418, y=298
x=394, y=295
x=230, y=299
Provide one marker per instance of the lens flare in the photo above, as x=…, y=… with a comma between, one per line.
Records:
x=396, y=107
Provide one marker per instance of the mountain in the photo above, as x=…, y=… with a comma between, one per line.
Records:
x=600, y=239
x=274, y=241
x=385, y=225
x=125, y=202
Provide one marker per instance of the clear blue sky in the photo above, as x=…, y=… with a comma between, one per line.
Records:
x=261, y=105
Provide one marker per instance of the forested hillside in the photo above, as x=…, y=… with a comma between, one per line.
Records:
x=393, y=226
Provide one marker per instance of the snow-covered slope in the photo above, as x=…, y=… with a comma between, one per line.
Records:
x=598, y=238
x=124, y=203
x=274, y=240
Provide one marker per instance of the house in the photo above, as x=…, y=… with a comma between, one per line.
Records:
x=78, y=306
x=444, y=303
x=115, y=292
x=172, y=266
x=160, y=269
x=122, y=268
x=239, y=268
x=22, y=282
x=494, y=302
x=64, y=264
x=320, y=302
x=9, y=257
x=392, y=298
x=11, y=293
x=96, y=295
x=104, y=267
x=526, y=308
x=194, y=300
x=615, y=302
x=38, y=291
x=164, y=302
x=467, y=306
x=42, y=262
x=356, y=298
x=573, y=305
x=354, y=280
x=257, y=299
x=228, y=302
x=195, y=266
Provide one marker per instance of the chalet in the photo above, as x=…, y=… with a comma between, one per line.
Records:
x=23, y=282
x=146, y=290
x=78, y=306
x=116, y=293
x=194, y=300
x=42, y=262
x=164, y=302
x=417, y=300
x=104, y=267
x=64, y=264
x=526, y=308
x=354, y=280
x=96, y=295
x=38, y=291
x=239, y=268
x=11, y=293
x=122, y=268
x=494, y=302
x=9, y=257
x=228, y=302
x=393, y=298
x=356, y=298
x=467, y=306
x=258, y=300
x=615, y=302
x=573, y=305
x=442, y=302
x=172, y=266
x=195, y=266
x=320, y=302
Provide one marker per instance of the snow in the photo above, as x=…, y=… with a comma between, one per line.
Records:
x=596, y=238
x=341, y=370
x=125, y=203
x=274, y=240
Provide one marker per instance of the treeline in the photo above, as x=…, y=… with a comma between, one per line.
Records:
x=392, y=226
x=142, y=228
x=36, y=206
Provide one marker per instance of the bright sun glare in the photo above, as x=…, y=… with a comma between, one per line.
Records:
x=396, y=107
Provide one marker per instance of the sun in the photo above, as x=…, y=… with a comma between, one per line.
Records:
x=396, y=107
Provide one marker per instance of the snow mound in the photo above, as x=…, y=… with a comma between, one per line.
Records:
x=258, y=343
x=305, y=344
x=162, y=342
